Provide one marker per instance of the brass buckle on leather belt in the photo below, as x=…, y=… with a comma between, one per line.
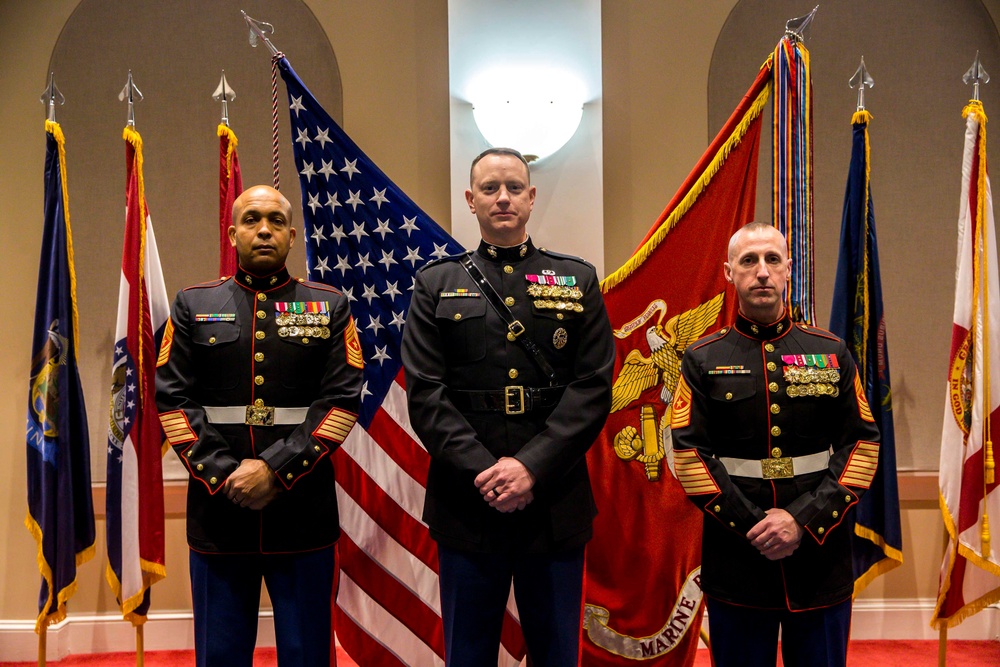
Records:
x=513, y=400
x=516, y=328
x=780, y=468
x=259, y=415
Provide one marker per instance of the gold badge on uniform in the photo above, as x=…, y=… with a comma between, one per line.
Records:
x=559, y=338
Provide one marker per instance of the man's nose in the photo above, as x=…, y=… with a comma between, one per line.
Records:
x=762, y=271
x=503, y=195
x=264, y=229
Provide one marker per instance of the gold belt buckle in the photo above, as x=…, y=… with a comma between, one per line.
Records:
x=513, y=400
x=779, y=468
x=259, y=415
x=515, y=328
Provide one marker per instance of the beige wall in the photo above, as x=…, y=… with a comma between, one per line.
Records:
x=393, y=58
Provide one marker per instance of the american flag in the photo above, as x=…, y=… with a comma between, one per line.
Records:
x=367, y=238
x=135, y=438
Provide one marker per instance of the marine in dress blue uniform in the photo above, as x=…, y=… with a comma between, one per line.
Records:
x=258, y=382
x=508, y=492
x=774, y=440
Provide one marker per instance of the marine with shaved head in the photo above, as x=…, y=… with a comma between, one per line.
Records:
x=258, y=382
x=775, y=442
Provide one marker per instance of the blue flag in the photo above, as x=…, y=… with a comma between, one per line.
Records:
x=60, y=507
x=367, y=238
x=856, y=316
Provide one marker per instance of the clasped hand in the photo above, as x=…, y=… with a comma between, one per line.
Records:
x=777, y=535
x=252, y=485
x=506, y=485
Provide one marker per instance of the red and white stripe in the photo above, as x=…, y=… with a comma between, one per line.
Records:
x=388, y=604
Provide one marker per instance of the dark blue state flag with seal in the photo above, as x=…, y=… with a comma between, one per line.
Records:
x=60, y=507
x=856, y=316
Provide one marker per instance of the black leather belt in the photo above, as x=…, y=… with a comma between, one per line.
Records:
x=513, y=400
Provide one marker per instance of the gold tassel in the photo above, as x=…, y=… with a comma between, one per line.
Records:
x=990, y=465
x=986, y=535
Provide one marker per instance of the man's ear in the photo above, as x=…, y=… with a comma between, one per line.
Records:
x=468, y=200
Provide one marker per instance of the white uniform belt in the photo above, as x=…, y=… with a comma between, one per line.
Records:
x=242, y=414
x=761, y=468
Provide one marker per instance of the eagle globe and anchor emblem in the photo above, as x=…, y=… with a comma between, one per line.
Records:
x=649, y=441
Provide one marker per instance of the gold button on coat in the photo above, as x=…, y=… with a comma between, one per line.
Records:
x=821, y=530
x=559, y=316
x=261, y=296
x=305, y=341
x=318, y=448
x=775, y=431
x=835, y=514
x=259, y=402
x=259, y=356
x=775, y=408
x=509, y=301
x=717, y=509
x=260, y=335
x=261, y=314
x=776, y=452
x=289, y=476
x=458, y=316
x=847, y=499
x=508, y=269
x=769, y=347
x=729, y=395
x=771, y=366
x=200, y=466
x=211, y=340
x=213, y=480
x=259, y=379
x=305, y=463
x=512, y=373
x=511, y=337
x=773, y=387
x=732, y=524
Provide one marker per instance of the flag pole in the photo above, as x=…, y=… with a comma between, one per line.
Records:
x=140, y=646
x=42, y=645
x=942, y=644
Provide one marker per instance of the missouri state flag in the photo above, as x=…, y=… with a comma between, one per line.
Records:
x=135, y=438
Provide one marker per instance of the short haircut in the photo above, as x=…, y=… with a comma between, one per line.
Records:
x=500, y=150
x=747, y=229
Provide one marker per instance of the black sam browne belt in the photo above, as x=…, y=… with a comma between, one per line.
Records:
x=512, y=400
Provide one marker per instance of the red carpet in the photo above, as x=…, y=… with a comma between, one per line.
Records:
x=862, y=654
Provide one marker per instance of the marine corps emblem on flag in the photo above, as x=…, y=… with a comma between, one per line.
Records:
x=649, y=441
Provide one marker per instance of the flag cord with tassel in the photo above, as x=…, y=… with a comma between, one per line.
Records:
x=274, y=115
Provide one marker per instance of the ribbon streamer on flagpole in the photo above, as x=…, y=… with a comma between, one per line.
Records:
x=793, y=164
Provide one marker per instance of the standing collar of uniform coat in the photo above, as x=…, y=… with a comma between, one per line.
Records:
x=515, y=253
x=759, y=331
x=262, y=283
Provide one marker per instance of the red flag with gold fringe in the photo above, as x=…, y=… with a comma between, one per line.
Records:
x=230, y=187
x=643, y=599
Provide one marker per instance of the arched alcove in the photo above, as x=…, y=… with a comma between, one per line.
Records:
x=917, y=54
x=176, y=51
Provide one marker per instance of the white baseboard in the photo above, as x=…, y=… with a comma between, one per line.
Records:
x=107, y=633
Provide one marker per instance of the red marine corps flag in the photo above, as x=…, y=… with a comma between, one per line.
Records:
x=230, y=187
x=970, y=499
x=643, y=598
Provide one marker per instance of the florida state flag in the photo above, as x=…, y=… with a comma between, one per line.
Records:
x=643, y=598
x=970, y=497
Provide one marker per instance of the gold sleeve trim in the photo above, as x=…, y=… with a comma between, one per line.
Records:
x=177, y=428
x=336, y=425
x=862, y=465
x=692, y=473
